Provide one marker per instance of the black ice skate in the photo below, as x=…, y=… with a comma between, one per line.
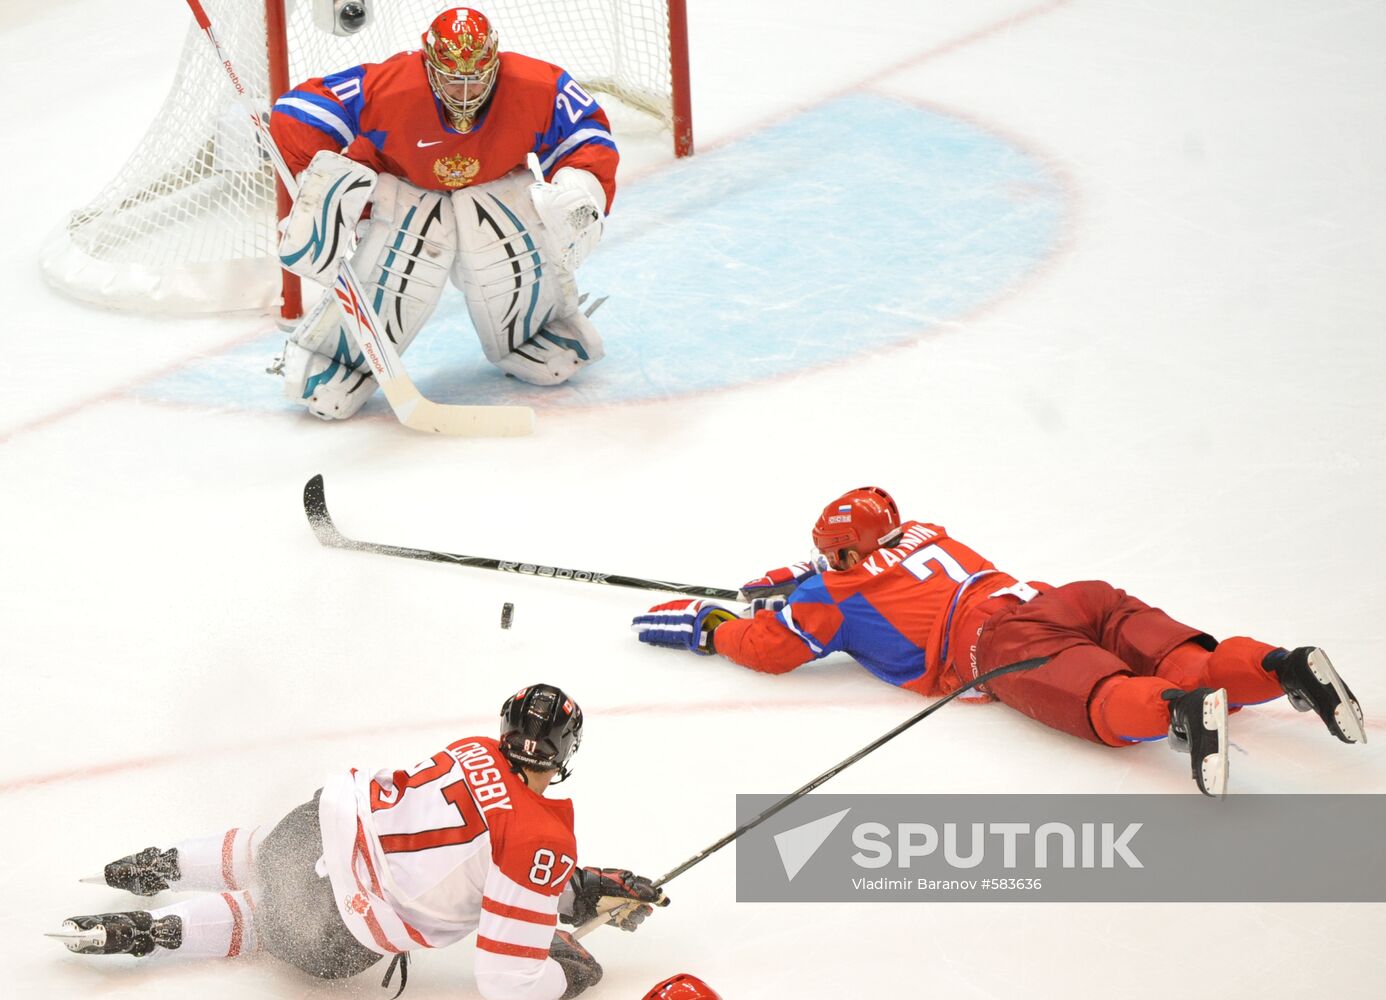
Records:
x=136, y=933
x=144, y=874
x=1198, y=727
x=1310, y=682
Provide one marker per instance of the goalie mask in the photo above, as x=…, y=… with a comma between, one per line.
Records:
x=462, y=55
x=540, y=728
x=863, y=519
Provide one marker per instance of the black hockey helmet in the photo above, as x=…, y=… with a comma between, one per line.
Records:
x=540, y=728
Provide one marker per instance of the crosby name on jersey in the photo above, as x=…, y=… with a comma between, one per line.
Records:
x=386, y=116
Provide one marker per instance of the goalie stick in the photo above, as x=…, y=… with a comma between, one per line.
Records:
x=792, y=797
x=410, y=406
x=315, y=506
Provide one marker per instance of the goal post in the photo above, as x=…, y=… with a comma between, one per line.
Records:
x=188, y=224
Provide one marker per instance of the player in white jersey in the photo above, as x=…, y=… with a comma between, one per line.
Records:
x=381, y=864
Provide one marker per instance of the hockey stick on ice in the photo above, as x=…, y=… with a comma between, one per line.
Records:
x=412, y=408
x=315, y=506
x=794, y=796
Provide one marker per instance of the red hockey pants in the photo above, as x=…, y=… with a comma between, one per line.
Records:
x=1092, y=631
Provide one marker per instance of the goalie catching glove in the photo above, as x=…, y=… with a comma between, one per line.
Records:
x=682, y=624
x=571, y=210
x=598, y=890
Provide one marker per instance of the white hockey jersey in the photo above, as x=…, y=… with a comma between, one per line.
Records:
x=420, y=858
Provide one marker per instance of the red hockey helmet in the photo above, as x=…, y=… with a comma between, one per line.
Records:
x=862, y=519
x=462, y=54
x=683, y=987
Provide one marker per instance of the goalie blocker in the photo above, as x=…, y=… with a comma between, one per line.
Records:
x=514, y=272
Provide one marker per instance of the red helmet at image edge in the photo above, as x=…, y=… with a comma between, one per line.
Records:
x=863, y=519
x=683, y=987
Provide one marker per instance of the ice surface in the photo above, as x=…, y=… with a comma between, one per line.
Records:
x=1153, y=356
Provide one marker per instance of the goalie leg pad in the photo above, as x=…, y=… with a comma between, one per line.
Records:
x=323, y=366
x=403, y=262
x=524, y=308
x=332, y=194
x=405, y=256
x=556, y=352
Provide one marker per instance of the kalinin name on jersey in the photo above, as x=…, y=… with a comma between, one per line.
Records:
x=909, y=541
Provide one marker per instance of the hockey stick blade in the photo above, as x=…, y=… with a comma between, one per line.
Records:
x=315, y=507
x=421, y=414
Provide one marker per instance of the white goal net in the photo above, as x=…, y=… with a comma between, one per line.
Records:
x=188, y=224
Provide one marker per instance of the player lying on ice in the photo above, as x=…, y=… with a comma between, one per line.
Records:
x=381, y=864
x=921, y=610
x=433, y=144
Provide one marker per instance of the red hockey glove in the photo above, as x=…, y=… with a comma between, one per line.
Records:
x=591, y=885
x=778, y=582
x=682, y=624
x=580, y=968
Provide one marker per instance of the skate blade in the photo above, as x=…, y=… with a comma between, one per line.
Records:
x=1213, y=767
x=78, y=940
x=1347, y=716
x=1214, y=783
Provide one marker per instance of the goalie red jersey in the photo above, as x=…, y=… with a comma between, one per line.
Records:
x=908, y=613
x=422, y=857
x=388, y=117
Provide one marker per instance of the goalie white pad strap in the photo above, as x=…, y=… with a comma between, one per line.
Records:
x=333, y=192
x=524, y=309
x=571, y=210
x=403, y=261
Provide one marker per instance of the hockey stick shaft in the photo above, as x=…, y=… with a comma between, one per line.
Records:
x=315, y=507
x=410, y=406
x=281, y=167
x=836, y=769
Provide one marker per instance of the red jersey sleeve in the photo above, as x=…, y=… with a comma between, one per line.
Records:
x=531, y=863
x=578, y=133
x=309, y=119
x=767, y=644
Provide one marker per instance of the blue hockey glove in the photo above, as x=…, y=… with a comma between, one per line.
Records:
x=682, y=624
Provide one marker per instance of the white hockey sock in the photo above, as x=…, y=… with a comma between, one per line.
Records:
x=226, y=861
x=217, y=925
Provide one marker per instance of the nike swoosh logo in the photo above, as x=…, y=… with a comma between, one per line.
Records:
x=423, y=144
